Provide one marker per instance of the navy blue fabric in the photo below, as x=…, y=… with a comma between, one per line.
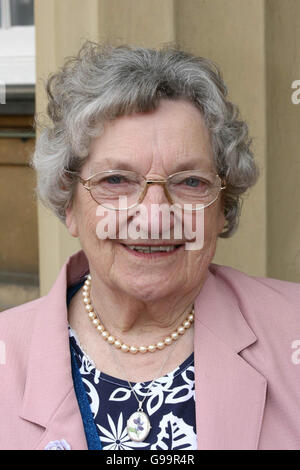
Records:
x=90, y=429
x=72, y=290
x=91, y=434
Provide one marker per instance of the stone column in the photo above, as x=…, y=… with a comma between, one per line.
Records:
x=282, y=57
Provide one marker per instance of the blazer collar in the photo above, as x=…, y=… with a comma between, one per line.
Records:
x=230, y=393
x=49, y=396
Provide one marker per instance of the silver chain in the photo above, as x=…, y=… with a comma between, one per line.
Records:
x=149, y=386
x=120, y=367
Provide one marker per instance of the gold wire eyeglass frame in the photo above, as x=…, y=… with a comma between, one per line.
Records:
x=163, y=182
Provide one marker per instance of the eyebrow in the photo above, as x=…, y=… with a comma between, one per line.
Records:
x=112, y=165
x=191, y=165
x=121, y=165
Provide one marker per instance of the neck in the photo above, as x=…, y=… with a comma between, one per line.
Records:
x=135, y=321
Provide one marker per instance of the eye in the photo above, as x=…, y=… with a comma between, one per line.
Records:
x=110, y=180
x=195, y=182
x=115, y=179
x=192, y=181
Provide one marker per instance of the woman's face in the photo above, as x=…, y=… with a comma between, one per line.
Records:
x=155, y=144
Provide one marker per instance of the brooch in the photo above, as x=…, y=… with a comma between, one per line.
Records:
x=58, y=445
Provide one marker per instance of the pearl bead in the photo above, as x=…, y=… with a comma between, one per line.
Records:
x=105, y=334
x=111, y=339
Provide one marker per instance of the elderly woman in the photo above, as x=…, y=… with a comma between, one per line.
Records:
x=143, y=342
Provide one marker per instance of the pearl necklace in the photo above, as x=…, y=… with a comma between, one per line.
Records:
x=122, y=346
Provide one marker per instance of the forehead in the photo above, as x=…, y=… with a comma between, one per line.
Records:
x=175, y=132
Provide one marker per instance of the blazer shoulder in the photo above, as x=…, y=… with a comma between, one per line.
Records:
x=261, y=286
x=271, y=308
x=19, y=317
x=264, y=301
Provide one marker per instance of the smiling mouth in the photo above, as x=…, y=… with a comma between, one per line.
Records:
x=152, y=250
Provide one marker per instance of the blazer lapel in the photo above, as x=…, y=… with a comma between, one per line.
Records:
x=49, y=398
x=65, y=424
x=230, y=394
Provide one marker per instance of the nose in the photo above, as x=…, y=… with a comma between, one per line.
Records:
x=162, y=184
x=155, y=192
x=155, y=219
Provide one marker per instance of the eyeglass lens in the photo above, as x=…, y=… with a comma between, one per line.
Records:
x=193, y=187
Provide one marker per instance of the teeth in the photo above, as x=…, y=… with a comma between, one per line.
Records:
x=151, y=249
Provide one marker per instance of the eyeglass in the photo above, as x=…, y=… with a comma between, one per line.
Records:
x=182, y=188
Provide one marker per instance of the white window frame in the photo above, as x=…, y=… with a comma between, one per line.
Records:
x=17, y=51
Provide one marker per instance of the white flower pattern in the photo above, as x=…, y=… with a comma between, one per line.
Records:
x=116, y=438
x=170, y=406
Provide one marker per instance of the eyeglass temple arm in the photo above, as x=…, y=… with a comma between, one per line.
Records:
x=77, y=176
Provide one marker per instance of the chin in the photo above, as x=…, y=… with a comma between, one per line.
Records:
x=147, y=289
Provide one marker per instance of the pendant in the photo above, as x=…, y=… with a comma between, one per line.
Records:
x=138, y=426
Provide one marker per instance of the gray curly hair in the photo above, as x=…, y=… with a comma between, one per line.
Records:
x=103, y=82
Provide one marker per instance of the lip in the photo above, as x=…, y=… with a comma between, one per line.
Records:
x=158, y=254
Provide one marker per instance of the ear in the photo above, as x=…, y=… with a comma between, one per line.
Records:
x=221, y=222
x=221, y=217
x=71, y=221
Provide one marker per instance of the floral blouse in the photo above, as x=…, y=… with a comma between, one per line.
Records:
x=170, y=404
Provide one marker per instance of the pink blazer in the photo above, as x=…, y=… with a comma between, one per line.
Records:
x=247, y=365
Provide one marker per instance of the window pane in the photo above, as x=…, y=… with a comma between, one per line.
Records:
x=21, y=12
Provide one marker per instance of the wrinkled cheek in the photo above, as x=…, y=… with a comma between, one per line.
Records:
x=87, y=224
x=108, y=223
x=194, y=230
x=204, y=230
x=210, y=231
